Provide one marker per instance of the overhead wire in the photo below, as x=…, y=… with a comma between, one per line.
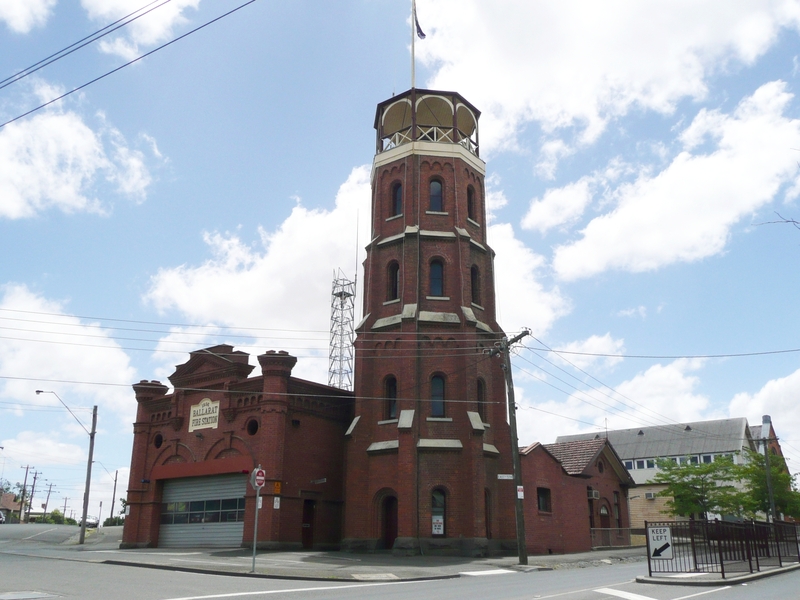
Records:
x=56, y=56
x=130, y=62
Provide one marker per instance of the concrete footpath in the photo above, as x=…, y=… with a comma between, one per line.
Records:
x=102, y=546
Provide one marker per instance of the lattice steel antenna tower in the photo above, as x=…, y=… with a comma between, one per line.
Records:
x=340, y=370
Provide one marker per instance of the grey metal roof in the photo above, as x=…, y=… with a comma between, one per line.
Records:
x=701, y=437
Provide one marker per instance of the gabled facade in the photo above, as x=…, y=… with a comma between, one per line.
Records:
x=696, y=442
x=194, y=449
x=575, y=496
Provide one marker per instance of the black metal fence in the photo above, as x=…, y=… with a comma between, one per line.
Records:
x=719, y=546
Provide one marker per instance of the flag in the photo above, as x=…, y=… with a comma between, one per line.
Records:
x=420, y=33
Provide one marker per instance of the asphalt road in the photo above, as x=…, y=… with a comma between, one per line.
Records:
x=34, y=564
x=23, y=577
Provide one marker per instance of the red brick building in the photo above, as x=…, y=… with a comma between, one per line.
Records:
x=430, y=435
x=194, y=449
x=575, y=497
x=411, y=460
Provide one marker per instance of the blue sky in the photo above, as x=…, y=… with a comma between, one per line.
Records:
x=207, y=193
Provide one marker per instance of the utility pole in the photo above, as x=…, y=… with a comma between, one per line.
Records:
x=22, y=501
x=65, y=507
x=114, y=494
x=33, y=491
x=82, y=537
x=503, y=349
x=47, y=501
x=766, y=426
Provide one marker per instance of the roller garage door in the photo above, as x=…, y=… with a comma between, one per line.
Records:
x=203, y=511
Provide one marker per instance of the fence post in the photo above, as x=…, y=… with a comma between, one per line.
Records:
x=719, y=547
x=647, y=539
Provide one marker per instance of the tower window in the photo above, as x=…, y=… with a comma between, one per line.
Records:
x=397, y=199
x=475, y=284
x=436, y=205
x=390, y=395
x=393, y=276
x=437, y=396
x=437, y=278
x=471, y=203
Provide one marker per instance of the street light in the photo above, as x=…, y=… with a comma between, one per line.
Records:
x=89, y=464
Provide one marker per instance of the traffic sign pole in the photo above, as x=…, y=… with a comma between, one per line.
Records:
x=257, y=479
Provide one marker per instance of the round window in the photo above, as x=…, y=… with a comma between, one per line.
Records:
x=158, y=440
x=252, y=427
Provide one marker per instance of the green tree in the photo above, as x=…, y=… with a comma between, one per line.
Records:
x=55, y=517
x=753, y=475
x=699, y=489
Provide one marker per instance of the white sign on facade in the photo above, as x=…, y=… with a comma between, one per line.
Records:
x=520, y=492
x=660, y=542
x=437, y=524
x=276, y=502
x=204, y=415
x=508, y=476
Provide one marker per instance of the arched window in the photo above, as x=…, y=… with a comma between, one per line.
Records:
x=471, y=203
x=437, y=396
x=436, y=205
x=481, y=400
x=393, y=279
x=397, y=199
x=475, y=284
x=390, y=395
x=438, y=512
x=436, y=278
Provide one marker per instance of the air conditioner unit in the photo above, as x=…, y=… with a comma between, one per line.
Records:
x=649, y=496
x=593, y=494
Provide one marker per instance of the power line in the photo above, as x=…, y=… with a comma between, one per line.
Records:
x=78, y=45
x=112, y=71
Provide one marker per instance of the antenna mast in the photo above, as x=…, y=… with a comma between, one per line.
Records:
x=340, y=369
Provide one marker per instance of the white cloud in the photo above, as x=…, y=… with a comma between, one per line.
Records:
x=54, y=160
x=60, y=352
x=45, y=449
x=661, y=393
x=777, y=398
x=586, y=65
x=522, y=299
x=153, y=28
x=685, y=212
x=559, y=206
x=282, y=283
x=639, y=311
x=23, y=15
x=595, y=344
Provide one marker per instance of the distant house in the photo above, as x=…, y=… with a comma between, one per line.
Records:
x=8, y=506
x=576, y=496
x=640, y=448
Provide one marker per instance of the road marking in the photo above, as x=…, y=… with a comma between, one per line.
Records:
x=30, y=537
x=703, y=593
x=298, y=590
x=621, y=594
x=375, y=576
x=24, y=595
x=129, y=553
x=492, y=572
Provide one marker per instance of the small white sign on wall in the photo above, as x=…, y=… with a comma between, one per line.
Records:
x=276, y=502
x=437, y=524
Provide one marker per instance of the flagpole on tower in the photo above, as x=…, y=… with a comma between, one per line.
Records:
x=416, y=30
x=413, y=36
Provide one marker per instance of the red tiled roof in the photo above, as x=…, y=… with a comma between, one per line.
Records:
x=575, y=456
x=7, y=502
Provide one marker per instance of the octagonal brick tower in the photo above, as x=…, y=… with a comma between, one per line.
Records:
x=430, y=434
